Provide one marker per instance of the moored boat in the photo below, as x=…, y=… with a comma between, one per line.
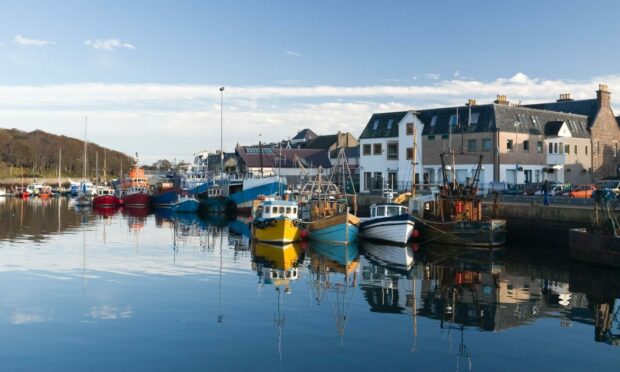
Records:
x=600, y=242
x=106, y=198
x=454, y=215
x=253, y=188
x=276, y=221
x=165, y=195
x=134, y=189
x=186, y=204
x=389, y=223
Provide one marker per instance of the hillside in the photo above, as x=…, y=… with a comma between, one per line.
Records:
x=36, y=153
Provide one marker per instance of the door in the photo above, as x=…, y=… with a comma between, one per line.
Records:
x=511, y=176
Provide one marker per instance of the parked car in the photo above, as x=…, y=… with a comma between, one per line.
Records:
x=514, y=190
x=582, y=191
x=555, y=189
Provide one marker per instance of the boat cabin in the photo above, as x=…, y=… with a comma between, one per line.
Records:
x=387, y=210
x=278, y=208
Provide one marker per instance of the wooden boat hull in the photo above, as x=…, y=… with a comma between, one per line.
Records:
x=137, y=200
x=391, y=230
x=594, y=247
x=277, y=230
x=485, y=233
x=338, y=229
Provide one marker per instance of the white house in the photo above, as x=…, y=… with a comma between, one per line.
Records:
x=386, y=151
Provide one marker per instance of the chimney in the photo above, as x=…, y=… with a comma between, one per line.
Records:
x=565, y=97
x=603, y=96
x=501, y=100
x=471, y=102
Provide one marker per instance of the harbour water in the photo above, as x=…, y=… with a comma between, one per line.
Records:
x=84, y=289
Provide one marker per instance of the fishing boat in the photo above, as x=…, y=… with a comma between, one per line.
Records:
x=454, y=215
x=45, y=192
x=186, y=204
x=326, y=208
x=600, y=242
x=84, y=197
x=389, y=223
x=106, y=198
x=244, y=193
x=165, y=195
x=134, y=189
x=277, y=221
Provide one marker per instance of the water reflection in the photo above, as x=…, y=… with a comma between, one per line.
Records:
x=149, y=267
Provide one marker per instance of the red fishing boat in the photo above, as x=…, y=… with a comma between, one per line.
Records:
x=106, y=198
x=135, y=189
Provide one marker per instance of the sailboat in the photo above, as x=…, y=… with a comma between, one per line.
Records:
x=84, y=197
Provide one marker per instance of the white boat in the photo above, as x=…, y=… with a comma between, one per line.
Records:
x=3, y=192
x=388, y=223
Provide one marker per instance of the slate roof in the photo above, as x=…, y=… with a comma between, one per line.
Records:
x=322, y=142
x=552, y=128
x=383, y=130
x=271, y=155
x=587, y=107
x=491, y=117
x=349, y=152
x=305, y=134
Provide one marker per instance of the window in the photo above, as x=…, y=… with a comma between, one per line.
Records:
x=433, y=121
x=267, y=209
x=535, y=120
x=288, y=210
x=295, y=210
x=409, y=129
x=453, y=119
x=430, y=138
x=486, y=144
x=445, y=136
x=392, y=151
x=526, y=145
x=375, y=125
x=539, y=146
x=586, y=150
x=473, y=119
x=376, y=149
x=390, y=122
x=509, y=145
x=392, y=211
x=380, y=211
x=471, y=145
x=575, y=148
x=366, y=149
x=537, y=175
x=409, y=153
x=567, y=149
x=555, y=148
x=392, y=180
x=596, y=148
x=615, y=149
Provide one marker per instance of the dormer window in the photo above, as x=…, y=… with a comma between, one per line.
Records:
x=390, y=122
x=375, y=125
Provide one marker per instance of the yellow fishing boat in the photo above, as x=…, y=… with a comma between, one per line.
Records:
x=276, y=221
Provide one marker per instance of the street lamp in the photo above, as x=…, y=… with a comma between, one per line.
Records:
x=221, y=130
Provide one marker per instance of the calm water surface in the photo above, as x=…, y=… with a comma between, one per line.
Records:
x=148, y=290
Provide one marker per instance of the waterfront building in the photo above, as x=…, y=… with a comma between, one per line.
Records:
x=386, y=151
x=567, y=141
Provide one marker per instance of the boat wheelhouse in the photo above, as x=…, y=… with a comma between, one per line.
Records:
x=277, y=221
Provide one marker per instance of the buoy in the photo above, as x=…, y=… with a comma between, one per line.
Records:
x=415, y=247
x=304, y=234
x=415, y=234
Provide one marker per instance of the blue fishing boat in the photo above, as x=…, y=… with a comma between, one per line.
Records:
x=252, y=188
x=164, y=198
x=186, y=204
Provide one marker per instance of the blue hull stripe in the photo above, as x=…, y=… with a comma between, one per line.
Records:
x=244, y=198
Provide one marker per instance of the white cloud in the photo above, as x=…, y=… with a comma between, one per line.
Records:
x=432, y=76
x=108, y=44
x=184, y=117
x=292, y=53
x=457, y=73
x=21, y=40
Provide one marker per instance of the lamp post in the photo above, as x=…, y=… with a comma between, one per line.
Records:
x=221, y=130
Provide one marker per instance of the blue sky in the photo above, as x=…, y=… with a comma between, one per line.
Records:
x=156, y=65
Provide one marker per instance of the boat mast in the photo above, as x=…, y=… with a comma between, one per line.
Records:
x=97, y=167
x=413, y=162
x=260, y=155
x=59, y=161
x=85, y=126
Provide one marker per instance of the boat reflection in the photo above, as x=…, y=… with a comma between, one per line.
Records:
x=395, y=257
x=106, y=212
x=333, y=269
